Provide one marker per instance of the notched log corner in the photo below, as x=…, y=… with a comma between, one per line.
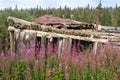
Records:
x=18, y=23
x=10, y=22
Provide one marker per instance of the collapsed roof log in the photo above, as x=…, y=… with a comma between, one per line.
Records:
x=58, y=22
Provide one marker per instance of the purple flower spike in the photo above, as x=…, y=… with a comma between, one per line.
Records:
x=47, y=65
x=60, y=65
x=2, y=54
x=53, y=70
x=118, y=71
x=28, y=51
x=67, y=76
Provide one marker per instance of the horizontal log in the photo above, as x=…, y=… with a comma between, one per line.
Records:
x=115, y=44
x=51, y=34
x=109, y=34
x=110, y=37
x=40, y=33
x=114, y=40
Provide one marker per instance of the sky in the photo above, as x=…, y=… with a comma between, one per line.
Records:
x=56, y=3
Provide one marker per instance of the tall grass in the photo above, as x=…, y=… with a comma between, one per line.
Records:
x=47, y=65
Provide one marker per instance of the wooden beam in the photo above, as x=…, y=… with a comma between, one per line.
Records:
x=95, y=47
x=69, y=46
x=44, y=41
x=61, y=46
x=50, y=44
x=12, y=42
x=72, y=36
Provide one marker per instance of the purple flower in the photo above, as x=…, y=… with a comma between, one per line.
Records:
x=60, y=65
x=67, y=76
x=118, y=71
x=13, y=55
x=6, y=59
x=66, y=67
x=1, y=78
x=2, y=54
x=28, y=51
x=53, y=70
x=47, y=65
x=105, y=57
x=36, y=61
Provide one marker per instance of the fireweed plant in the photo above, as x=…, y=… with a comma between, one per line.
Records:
x=44, y=63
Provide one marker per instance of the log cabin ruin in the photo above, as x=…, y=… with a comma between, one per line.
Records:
x=57, y=30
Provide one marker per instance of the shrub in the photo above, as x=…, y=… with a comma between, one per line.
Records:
x=29, y=65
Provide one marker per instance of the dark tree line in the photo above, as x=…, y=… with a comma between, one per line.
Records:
x=109, y=16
